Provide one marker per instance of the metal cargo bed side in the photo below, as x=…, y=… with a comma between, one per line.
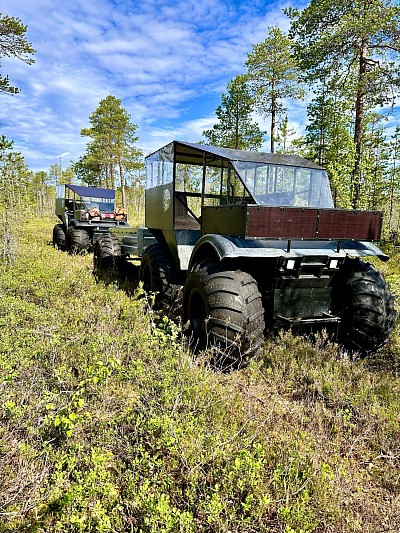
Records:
x=134, y=240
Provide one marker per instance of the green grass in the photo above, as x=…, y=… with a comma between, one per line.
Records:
x=108, y=424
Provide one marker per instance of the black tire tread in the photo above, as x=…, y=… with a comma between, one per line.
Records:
x=77, y=240
x=157, y=261
x=59, y=236
x=106, y=252
x=236, y=316
x=369, y=317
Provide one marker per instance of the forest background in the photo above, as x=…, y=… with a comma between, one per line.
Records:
x=342, y=58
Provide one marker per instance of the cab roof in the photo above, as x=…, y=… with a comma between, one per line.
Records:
x=192, y=153
x=93, y=192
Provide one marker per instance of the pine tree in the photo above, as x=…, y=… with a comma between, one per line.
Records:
x=112, y=150
x=273, y=76
x=13, y=43
x=328, y=141
x=235, y=127
x=13, y=197
x=55, y=174
x=284, y=132
x=394, y=184
x=374, y=164
x=352, y=45
x=39, y=188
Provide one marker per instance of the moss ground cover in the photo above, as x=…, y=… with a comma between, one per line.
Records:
x=108, y=424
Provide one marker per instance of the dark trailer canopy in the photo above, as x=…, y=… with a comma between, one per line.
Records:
x=92, y=192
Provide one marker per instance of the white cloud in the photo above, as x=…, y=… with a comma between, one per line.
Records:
x=167, y=61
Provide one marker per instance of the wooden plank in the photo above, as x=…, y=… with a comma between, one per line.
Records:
x=272, y=222
x=348, y=224
x=281, y=222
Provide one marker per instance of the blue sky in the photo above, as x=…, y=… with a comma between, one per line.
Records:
x=167, y=61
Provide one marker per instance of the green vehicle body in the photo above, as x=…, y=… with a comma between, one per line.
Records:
x=269, y=221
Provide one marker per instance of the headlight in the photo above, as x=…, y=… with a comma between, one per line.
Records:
x=291, y=264
x=333, y=263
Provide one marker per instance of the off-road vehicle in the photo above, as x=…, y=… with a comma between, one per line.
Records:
x=85, y=214
x=255, y=242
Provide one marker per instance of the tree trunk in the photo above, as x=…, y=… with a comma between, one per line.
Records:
x=112, y=177
x=358, y=133
x=237, y=146
x=322, y=130
x=392, y=182
x=122, y=180
x=273, y=124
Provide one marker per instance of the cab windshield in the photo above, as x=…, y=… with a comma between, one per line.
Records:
x=280, y=185
x=104, y=205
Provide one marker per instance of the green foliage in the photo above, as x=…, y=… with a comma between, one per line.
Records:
x=112, y=150
x=329, y=143
x=108, y=424
x=374, y=165
x=330, y=36
x=13, y=43
x=59, y=175
x=284, y=133
x=392, y=206
x=14, y=199
x=352, y=47
x=273, y=76
x=235, y=127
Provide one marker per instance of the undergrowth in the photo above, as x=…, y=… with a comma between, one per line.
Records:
x=108, y=424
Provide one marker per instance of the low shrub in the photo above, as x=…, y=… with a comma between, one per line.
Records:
x=108, y=423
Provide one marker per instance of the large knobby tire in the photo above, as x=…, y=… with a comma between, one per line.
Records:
x=157, y=272
x=223, y=309
x=77, y=240
x=368, y=314
x=106, y=253
x=59, y=236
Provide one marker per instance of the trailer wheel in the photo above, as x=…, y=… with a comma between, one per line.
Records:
x=368, y=315
x=59, y=237
x=77, y=240
x=223, y=309
x=157, y=271
x=106, y=253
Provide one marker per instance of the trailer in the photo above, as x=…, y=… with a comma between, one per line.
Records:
x=85, y=213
